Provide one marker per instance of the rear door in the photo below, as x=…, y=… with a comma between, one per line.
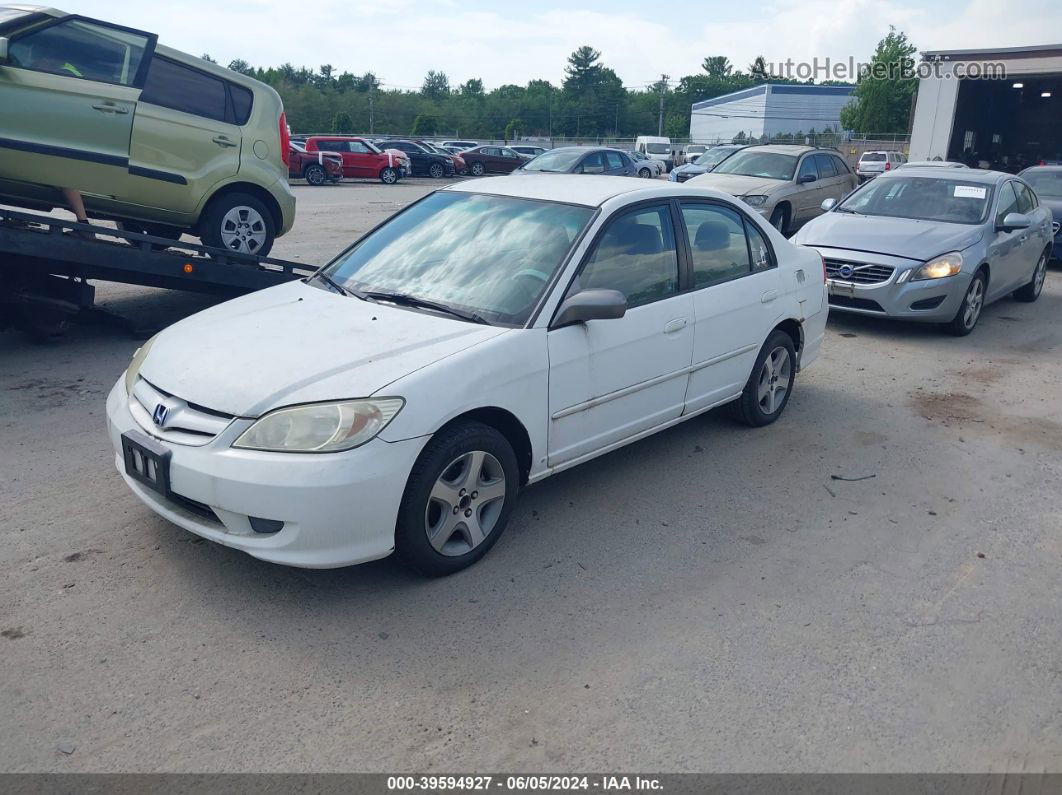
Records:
x=616, y=164
x=68, y=93
x=508, y=160
x=805, y=195
x=832, y=185
x=593, y=163
x=186, y=138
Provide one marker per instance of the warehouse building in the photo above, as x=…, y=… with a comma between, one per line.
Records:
x=769, y=109
x=1005, y=122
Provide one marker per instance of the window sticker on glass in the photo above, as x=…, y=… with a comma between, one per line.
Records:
x=969, y=192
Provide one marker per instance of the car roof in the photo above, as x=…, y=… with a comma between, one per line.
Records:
x=1053, y=169
x=587, y=190
x=977, y=175
x=36, y=9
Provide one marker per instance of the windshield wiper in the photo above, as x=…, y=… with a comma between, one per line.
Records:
x=405, y=299
x=847, y=210
x=339, y=288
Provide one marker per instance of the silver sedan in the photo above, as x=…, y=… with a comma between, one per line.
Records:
x=933, y=244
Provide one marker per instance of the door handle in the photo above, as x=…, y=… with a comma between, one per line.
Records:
x=675, y=325
x=768, y=296
x=110, y=107
x=223, y=140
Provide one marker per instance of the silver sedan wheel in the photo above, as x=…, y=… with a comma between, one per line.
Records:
x=774, y=380
x=645, y=174
x=975, y=301
x=1040, y=276
x=465, y=504
x=243, y=229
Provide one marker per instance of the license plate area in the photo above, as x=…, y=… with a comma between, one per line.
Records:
x=841, y=288
x=146, y=461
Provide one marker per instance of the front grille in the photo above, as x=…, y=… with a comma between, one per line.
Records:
x=200, y=509
x=862, y=273
x=186, y=423
x=682, y=177
x=855, y=303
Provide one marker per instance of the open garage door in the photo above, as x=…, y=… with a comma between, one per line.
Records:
x=1008, y=124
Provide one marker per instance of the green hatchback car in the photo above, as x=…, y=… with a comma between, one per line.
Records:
x=157, y=140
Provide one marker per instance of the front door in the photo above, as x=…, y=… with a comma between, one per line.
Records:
x=1006, y=252
x=185, y=139
x=613, y=379
x=68, y=93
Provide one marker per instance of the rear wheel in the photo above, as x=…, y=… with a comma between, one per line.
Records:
x=315, y=174
x=970, y=308
x=458, y=499
x=238, y=222
x=477, y=169
x=768, y=389
x=436, y=171
x=389, y=176
x=1031, y=291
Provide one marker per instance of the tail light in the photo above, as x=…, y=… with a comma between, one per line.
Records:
x=285, y=139
x=888, y=166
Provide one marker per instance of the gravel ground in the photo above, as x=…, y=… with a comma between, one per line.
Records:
x=707, y=599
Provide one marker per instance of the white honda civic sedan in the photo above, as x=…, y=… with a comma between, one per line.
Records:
x=487, y=336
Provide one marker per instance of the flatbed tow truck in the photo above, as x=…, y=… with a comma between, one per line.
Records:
x=45, y=268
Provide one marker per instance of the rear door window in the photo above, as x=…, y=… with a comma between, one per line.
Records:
x=178, y=87
x=840, y=166
x=615, y=161
x=593, y=163
x=83, y=48
x=242, y=102
x=825, y=166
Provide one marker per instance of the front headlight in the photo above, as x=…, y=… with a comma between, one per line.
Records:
x=939, y=268
x=754, y=201
x=133, y=370
x=320, y=427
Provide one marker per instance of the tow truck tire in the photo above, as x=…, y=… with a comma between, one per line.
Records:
x=315, y=174
x=221, y=224
x=389, y=176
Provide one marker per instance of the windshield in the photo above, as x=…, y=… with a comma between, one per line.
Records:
x=713, y=157
x=945, y=199
x=555, y=160
x=770, y=165
x=492, y=255
x=1045, y=183
x=658, y=149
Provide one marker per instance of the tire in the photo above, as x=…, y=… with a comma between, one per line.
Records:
x=433, y=534
x=238, y=222
x=436, y=171
x=780, y=219
x=644, y=173
x=973, y=302
x=1031, y=291
x=763, y=399
x=315, y=174
x=389, y=176
x=477, y=170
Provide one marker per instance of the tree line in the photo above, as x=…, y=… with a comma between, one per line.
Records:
x=591, y=101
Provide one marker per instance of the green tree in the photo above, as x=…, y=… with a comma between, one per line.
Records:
x=472, y=88
x=512, y=129
x=881, y=101
x=206, y=57
x=677, y=125
x=342, y=124
x=436, y=85
x=241, y=66
x=425, y=124
x=717, y=66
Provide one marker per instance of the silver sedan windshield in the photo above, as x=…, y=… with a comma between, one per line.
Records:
x=924, y=198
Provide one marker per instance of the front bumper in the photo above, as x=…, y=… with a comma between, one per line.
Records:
x=338, y=509
x=929, y=300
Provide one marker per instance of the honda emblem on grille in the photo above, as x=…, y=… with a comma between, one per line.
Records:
x=159, y=416
x=846, y=271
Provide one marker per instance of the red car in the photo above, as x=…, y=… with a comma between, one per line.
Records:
x=316, y=168
x=361, y=158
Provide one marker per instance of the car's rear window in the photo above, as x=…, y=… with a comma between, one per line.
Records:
x=873, y=157
x=242, y=101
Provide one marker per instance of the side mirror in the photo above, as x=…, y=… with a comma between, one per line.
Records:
x=1014, y=221
x=828, y=205
x=3, y=49
x=591, y=305
x=807, y=178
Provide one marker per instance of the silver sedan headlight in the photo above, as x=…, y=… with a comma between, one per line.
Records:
x=133, y=370
x=320, y=427
x=754, y=201
x=939, y=267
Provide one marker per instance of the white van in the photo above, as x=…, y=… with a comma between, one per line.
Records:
x=656, y=147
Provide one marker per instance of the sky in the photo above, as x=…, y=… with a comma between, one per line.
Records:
x=513, y=42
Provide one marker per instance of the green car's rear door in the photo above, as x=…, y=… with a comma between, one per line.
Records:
x=69, y=91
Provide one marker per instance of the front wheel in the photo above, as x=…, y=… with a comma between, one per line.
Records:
x=767, y=391
x=315, y=174
x=780, y=219
x=970, y=308
x=645, y=173
x=389, y=176
x=477, y=170
x=458, y=499
x=1031, y=291
x=238, y=222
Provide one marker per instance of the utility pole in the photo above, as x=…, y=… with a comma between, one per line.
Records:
x=663, y=93
x=372, y=96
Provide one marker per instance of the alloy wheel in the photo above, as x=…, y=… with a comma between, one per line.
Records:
x=975, y=301
x=774, y=380
x=465, y=503
x=1041, y=275
x=243, y=230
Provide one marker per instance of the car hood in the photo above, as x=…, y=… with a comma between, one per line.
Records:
x=901, y=237
x=296, y=343
x=691, y=168
x=738, y=184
